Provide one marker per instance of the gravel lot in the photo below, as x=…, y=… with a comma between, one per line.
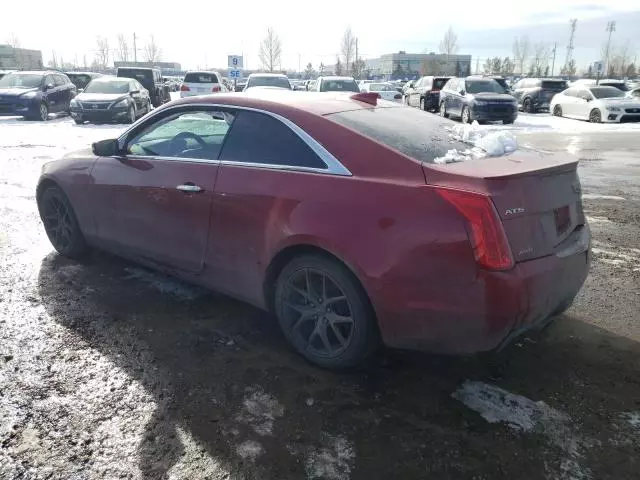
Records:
x=110, y=371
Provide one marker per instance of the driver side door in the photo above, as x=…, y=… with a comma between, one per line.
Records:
x=154, y=198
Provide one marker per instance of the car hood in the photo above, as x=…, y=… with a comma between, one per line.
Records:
x=101, y=97
x=488, y=97
x=624, y=102
x=15, y=92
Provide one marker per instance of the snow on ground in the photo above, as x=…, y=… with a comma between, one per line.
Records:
x=546, y=121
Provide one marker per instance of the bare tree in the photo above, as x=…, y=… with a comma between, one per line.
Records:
x=123, y=48
x=270, y=53
x=449, y=44
x=102, y=53
x=53, y=63
x=540, y=61
x=152, y=52
x=348, y=49
x=521, y=48
x=13, y=40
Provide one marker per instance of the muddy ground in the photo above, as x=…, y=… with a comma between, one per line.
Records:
x=110, y=371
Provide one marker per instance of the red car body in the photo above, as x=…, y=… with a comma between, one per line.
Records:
x=419, y=237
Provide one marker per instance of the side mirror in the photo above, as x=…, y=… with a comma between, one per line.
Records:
x=49, y=86
x=462, y=92
x=105, y=148
x=134, y=92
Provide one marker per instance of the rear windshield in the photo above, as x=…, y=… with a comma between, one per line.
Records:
x=258, y=81
x=438, y=83
x=339, y=86
x=200, y=78
x=418, y=135
x=606, y=92
x=143, y=76
x=80, y=80
x=381, y=87
x=620, y=86
x=554, y=84
x=484, y=86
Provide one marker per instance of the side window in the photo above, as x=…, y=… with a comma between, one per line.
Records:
x=58, y=80
x=428, y=83
x=49, y=79
x=260, y=138
x=197, y=134
x=451, y=84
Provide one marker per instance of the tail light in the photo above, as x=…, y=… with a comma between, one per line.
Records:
x=216, y=88
x=184, y=88
x=397, y=96
x=488, y=240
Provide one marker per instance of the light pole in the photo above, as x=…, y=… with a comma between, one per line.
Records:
x=611, y=27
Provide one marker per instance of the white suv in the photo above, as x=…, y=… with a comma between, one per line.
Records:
x=201, y=83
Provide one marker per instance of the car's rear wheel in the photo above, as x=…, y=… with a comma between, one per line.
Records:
x=79, y=120
x=557, y=111
x=527, y=106
x=595, y=116
x=466, y=115
x=324, y=312
x=443, y=110
x=60, y=223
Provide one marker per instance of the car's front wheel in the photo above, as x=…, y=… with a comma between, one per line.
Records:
x=527, y=105
x=324, y=312
x=466, y=115
x=595, y=116
x=557, y=111
x=131, y=114
x=443, y=110
x=60, y=223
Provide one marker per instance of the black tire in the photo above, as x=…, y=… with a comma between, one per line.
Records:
x=42, y=115
x=527, y=105
x=465, y=116
x=79, y=121
x=557, y=111
x=443, y=110
x=595, y=116
x=423, y=104
x=406, y=100
x=508, y=122
x=61, y=224
x=353, y=341
x=131, y=114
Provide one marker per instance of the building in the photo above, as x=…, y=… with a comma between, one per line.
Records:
x=404, y=65
x=20, y=58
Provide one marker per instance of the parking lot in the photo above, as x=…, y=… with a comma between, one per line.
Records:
x=108, y=370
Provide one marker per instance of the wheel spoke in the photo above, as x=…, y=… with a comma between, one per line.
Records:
x=300, y=292
x=335, y=318
x=338, y=334
x=332, y=300
x=322, y=333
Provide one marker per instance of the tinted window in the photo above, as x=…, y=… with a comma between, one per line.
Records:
x=192, y=134
x=380, y=87
x=79, y=80
x=619, y=85
x=606, y=92
x=502, y=82
x=554, y=84
x=107, y=86
x=330, y=85
x=268, y=81
x=49, y=79
x=59, y=80
x=420, y=136
x=143, y=76
x=438, y=83
x=200, y=78
x=483, y=86
x=259, y=138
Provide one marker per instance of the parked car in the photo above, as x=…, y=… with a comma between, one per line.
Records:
x=201, y=83
x=34, y=95
x=335, y=84
x=344, y=228
x=240, y=85
x=634, y=93
x=5, y=72
x=274, y=80
x=477, y=98
x=535, y=94
x=386, y=91
x=407, y=87
x=111, y=99
x=151, y=80
x=82, y=79
x=426, y=93
x=596, y=104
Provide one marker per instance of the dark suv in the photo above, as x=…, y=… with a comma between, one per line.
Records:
x=151, y=79
x=534, y=94
x=477, y=98
x=425, y=93
x=35, y=95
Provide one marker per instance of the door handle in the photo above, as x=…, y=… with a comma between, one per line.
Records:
x=189, y=188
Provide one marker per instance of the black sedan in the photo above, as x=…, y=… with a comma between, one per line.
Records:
x=111, y=99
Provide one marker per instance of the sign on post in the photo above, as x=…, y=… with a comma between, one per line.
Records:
x=235, y=62
x=598, y=67
x=235, y=74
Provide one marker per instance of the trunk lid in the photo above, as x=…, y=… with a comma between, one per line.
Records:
x=537, y=196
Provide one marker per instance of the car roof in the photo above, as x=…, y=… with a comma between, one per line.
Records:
x=106, y=78
x=335, y=77
x=202, y=71
x=285, y=102
x=84, y=73
x=268, y=75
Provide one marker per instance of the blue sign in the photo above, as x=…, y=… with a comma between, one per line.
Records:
x=235, y=74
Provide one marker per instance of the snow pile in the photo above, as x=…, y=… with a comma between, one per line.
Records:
x=485, y=142
x=260, y=411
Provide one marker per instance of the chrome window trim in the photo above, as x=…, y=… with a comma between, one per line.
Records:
x=334, y=166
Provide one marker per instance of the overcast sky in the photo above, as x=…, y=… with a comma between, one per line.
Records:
x=198, y=32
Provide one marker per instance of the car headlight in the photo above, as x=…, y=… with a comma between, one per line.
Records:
x=481, y=103
x=613, y=109
x=122, y=103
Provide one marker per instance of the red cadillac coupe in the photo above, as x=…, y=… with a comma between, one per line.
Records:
x=329, y=210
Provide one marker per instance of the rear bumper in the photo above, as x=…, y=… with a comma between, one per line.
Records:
x=487, y=313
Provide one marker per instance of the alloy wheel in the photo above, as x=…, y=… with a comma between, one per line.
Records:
x=557, y=111
x=527, y=105
x=57, y=223
x=465, y=115
x=443, y=110
x=595, y=116
x=317, y=313
x=132, y=115
x=44, y=112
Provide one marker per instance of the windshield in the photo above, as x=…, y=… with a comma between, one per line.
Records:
x=484, y=86
x=380, y=87
x=339, y=86
x=200, y=78
x=439, y=83
x=606, y=92
x=21, y=80
x=260, y=81
x=554, y=84
x=108, y=86
x=419, y=136
x=619, y=85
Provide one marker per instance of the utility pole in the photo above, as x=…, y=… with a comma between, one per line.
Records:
x=573, y=22
x=477, y=65
x=135, y=48
x=553, y=63
x=611, y=27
